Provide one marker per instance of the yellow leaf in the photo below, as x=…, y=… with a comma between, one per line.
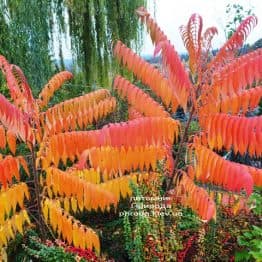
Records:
x=3, y=239
x=45, y=211
x=66, y=204
x=3, y=255
x=76, y=235
x=74, y=204
x=10, y=230
x=18, y=222
x=26, y=217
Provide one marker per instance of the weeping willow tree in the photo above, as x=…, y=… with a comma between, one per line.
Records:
x=94, y=25
x=30, y=30
x=25, y=37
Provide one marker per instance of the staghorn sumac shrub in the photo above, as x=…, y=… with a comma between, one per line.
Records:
x=75, y=169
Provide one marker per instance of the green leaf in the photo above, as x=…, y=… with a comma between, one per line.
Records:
x=242, y=256
x=248, y=235
x=258, y=230
x=256, y=255
x=242, y=241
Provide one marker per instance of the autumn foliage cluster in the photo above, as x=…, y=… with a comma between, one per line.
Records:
x=77, y=168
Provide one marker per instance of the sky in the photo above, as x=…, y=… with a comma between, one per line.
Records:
x=170, y=14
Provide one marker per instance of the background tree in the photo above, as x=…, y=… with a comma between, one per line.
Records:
x=94, y=25
x=25, y=38
x=32, y=30
x=235, y=15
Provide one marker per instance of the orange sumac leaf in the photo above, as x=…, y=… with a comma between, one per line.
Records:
x=238, y=74
x=118, y=160
x=54, y=84
x=148, y=75
x=118, y=187
x=191, y=35
x=68, y=227
x=157, y=35
x=256, y=174
x=9, y=168
x=138, y=98
x=242, y=133
x=190, y=195
x=89, y=175
x=77, y=112
x=137, y=132
x=177, y=75
x=23, y=163
x=207, y=37
x=18, y=87
x=246, y=100
x=2, y=137
x=228, y=50
x=90, y=195
x=212, y=168
x=29, y=104
x=11, y=141
x=14, y=120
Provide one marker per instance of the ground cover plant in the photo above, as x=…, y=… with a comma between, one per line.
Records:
x=79, y=166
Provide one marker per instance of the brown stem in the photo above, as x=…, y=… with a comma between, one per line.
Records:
x=180, y=147
x=34, y=218
x=38, y=196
